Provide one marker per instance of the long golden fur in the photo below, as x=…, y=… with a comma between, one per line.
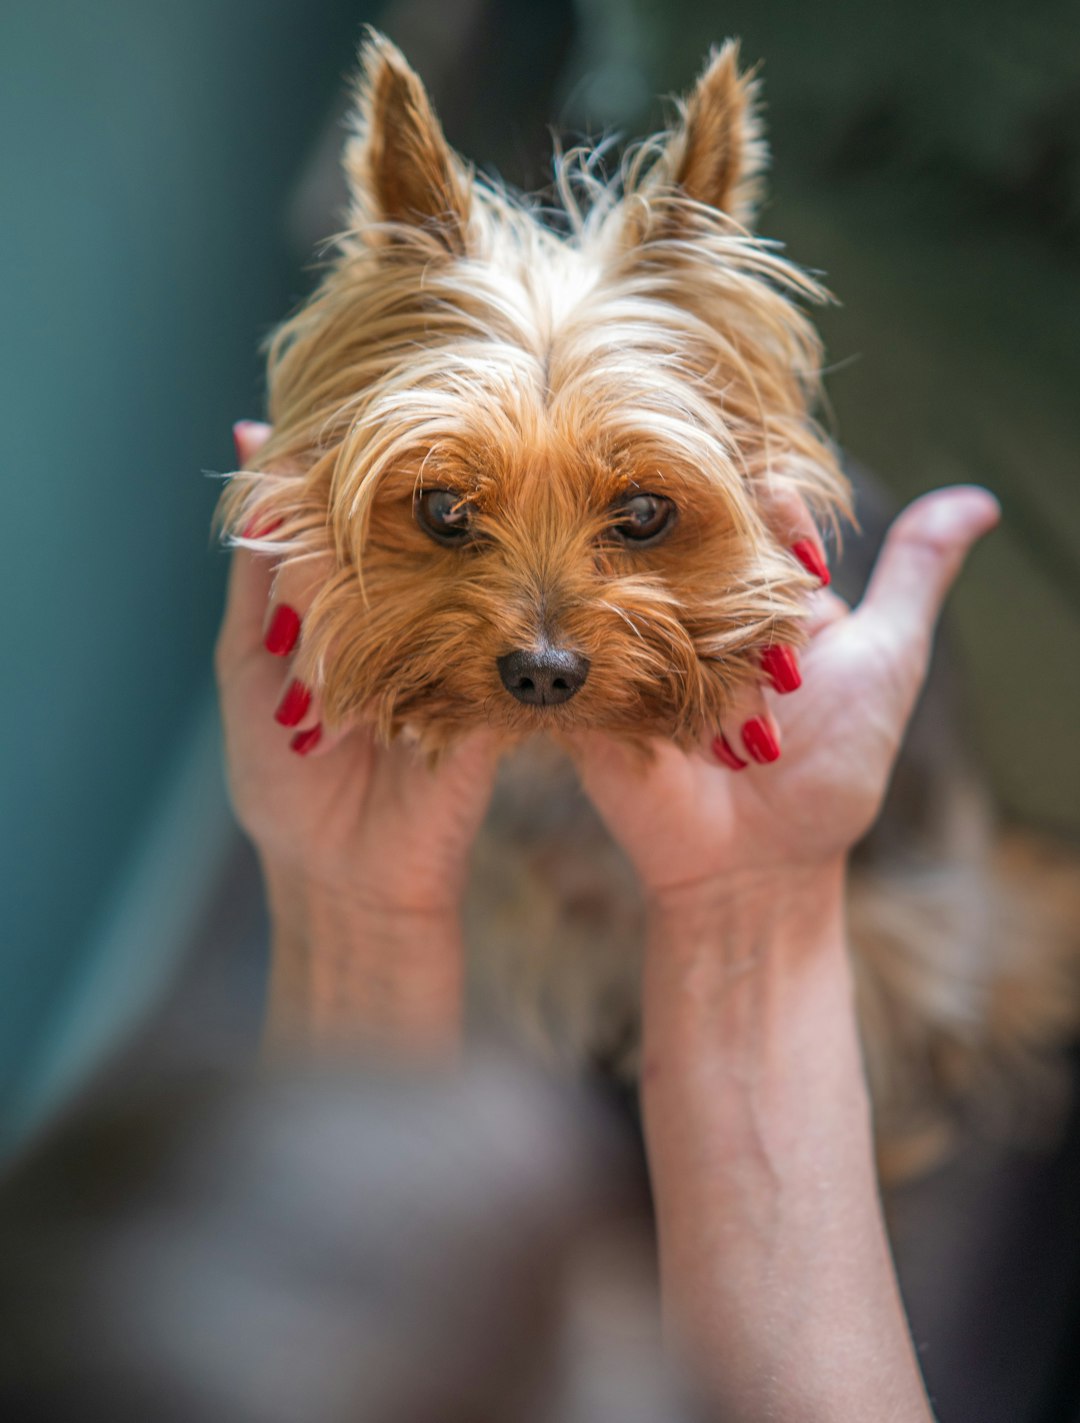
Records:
x=458, y=342
x=540, y=368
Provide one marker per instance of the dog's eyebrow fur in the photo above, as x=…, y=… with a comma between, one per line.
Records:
x=640, y=336
x=656, y=334
x=396, y=337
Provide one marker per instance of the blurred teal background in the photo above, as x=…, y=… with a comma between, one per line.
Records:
x=167, y=170
x=148, y=151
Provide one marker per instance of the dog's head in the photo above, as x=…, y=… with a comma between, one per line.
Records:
x=544, y=474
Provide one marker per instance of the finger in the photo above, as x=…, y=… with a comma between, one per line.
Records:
x=748, y=733
x=922, y=556
x=318, y=740
x=780, y=665
x=783, y=669
x=790, y=520
x=292, y=593
x=456, y=788
x=249, y=577
x=249, y=436
x=467, y=772
x=250, y=580
x=295, y=587
x=296, y=708
x=823, y=609
x=726, y=754
x=747, y=728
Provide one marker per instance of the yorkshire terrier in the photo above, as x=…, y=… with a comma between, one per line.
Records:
x=565, y=471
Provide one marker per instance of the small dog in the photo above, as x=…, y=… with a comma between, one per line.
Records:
x=557, y=464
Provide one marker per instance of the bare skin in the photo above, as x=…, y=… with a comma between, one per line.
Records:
x=364, y=849
x=777, y=1281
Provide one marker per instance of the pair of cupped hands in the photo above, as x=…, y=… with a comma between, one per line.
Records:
x=390, y=835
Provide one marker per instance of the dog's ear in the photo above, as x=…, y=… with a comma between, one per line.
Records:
x=716, y=154
x=399, y=166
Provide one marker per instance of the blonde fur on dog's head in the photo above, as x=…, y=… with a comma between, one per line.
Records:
x=458, y=343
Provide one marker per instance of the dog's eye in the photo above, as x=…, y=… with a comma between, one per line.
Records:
x=643, y=518
x=444, y=516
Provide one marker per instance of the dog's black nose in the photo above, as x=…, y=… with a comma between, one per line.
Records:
x=544, y=677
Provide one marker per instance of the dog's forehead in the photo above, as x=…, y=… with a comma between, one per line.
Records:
x=580, y=410
x=541, y=467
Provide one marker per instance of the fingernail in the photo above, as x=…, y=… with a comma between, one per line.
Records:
x=255, y=530
x=760, y=742
x=807, y=554
x=294, y=704
x=305, y=741
x=722, y=751
x=781, y=666
x=283, y=631
x=239, y=430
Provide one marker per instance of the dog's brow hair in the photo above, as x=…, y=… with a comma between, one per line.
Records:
x=527, y=315
x=656, y=335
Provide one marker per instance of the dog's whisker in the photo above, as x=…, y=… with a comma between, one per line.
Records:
x=618, y=391
x=627, y=619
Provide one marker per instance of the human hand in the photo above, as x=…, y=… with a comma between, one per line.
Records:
x=693, y=825
x=364, y=847
x=774, y=1262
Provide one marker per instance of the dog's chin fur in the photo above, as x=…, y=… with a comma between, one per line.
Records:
x=543, y=368
x=458, y=342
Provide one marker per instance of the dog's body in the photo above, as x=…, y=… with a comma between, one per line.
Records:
x=551, y=480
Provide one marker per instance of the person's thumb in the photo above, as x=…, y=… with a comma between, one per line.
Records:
x=923, y=554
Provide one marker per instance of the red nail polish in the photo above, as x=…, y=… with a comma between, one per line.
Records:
x=760, y=742
x=254, y=530
x=305, y=741
x=781, y=666
x=294, y=704
x=807, y=554
x=721, y=748
x=283, y=631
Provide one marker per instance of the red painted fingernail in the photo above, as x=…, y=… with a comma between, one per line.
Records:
x=781, y=666
x=283, y=631
x=722, y=751
x=807, y=554
x=305, y=741
x=760, y=742
x=294, y=704
x=254, y=530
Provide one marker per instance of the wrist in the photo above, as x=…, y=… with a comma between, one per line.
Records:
x=758, y=1129
x=784, y=911
x=773, y=925
x=348, y=968
x=297, y=895
x=748, y=1009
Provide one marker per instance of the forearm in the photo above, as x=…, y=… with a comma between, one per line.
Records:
x=345, y=973
x=776, y=1272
